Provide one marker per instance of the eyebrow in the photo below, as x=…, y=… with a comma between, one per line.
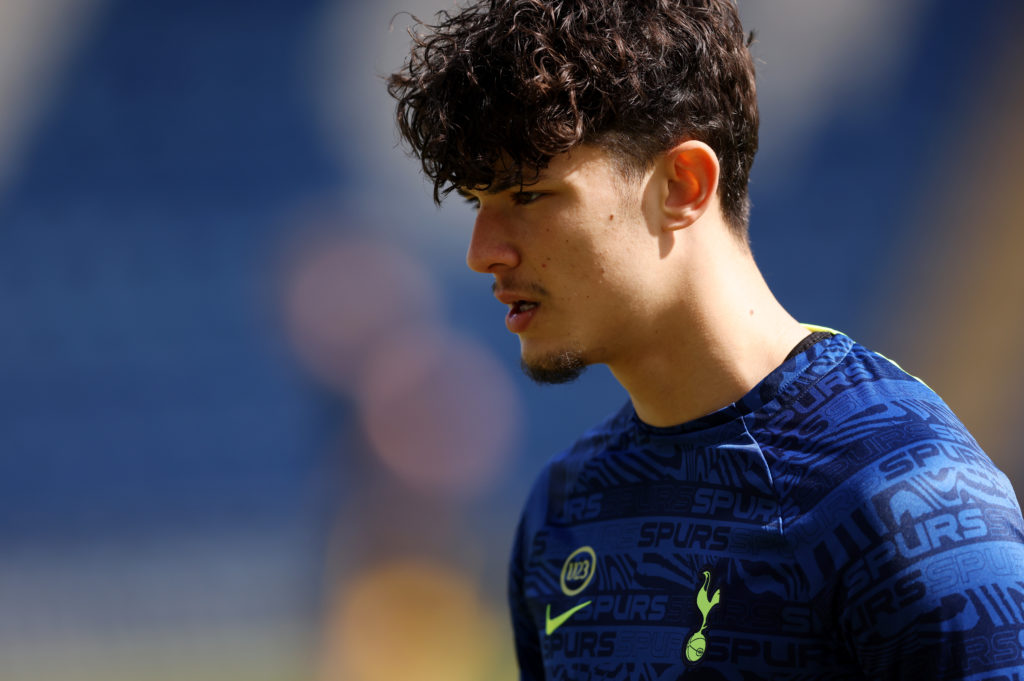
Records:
x=503, y=185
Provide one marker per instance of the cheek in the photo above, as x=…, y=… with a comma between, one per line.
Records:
x=628, y=261
x=606, y=249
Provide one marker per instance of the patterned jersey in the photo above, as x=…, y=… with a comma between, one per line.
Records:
x=838, y=522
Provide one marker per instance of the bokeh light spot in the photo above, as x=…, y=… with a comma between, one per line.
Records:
x=345, y=293
x=411, y=620
x=439, y=410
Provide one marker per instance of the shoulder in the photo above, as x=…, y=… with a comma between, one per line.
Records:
x=610, y=434
x=931, y=541
x=856, y=415
x=866, y=435
x=561, y=489
x=898, y=515
x=613, y=434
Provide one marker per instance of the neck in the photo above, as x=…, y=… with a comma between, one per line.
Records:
x=721, y=346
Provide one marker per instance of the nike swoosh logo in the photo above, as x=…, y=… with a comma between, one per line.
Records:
x=552, y=623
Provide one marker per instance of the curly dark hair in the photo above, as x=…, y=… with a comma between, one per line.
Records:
x=490, y=93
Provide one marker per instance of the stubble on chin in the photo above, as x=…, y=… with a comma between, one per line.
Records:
x=562, y=367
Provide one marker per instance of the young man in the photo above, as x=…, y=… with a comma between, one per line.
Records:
x=775, y=501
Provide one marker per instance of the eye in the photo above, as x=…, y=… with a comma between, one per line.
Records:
x=523, y=198
x=473, y=201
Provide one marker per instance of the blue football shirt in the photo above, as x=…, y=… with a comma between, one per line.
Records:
x=838, y=522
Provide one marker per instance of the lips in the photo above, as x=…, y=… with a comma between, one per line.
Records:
x=520, y=314
x=521, y=308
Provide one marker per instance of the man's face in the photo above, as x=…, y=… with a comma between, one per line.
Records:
x=574, y=259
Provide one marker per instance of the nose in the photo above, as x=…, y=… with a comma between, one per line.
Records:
x=490, y=248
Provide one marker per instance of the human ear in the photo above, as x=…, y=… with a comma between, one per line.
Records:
x=691, y=183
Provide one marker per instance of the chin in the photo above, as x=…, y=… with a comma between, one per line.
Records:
x=558, y=367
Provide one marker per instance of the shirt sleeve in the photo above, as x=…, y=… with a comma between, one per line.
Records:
x=939, y=592
x=527, y=638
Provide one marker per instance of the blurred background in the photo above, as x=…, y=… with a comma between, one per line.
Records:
x=260, y=422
